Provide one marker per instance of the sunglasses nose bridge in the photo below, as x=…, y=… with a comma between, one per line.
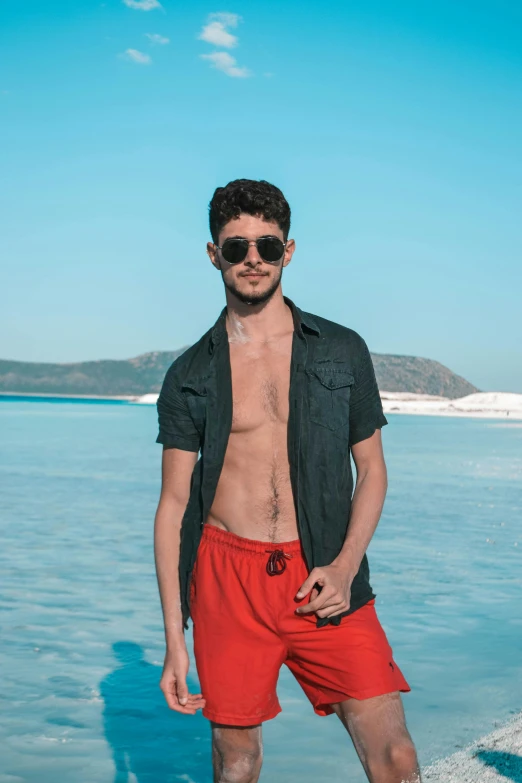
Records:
x=252, y=255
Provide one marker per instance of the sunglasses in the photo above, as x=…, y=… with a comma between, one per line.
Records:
x=235, y=249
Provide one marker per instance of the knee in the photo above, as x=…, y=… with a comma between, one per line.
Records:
x=403, y=758
x=399, y=763
x=239, y=766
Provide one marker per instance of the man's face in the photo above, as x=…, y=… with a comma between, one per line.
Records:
x=253, y=280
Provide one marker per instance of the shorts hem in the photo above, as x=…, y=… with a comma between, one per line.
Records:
x=325, y=708
x=235, y=720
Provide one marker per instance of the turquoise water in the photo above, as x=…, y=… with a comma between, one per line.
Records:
x=82, y=640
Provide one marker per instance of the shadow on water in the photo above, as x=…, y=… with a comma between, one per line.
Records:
x=508, y=765
x=148, y=739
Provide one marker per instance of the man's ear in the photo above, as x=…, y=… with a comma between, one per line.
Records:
x=289, y=251
x=211, y=252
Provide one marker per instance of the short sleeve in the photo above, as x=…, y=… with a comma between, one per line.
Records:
x=366, y=414
x=176, y=428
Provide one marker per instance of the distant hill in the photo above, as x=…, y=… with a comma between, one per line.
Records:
x=107, y=377
x=144, y=374
x=421, y=376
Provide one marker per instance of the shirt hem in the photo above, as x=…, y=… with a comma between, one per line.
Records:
x=366, y=432
x=177, y=443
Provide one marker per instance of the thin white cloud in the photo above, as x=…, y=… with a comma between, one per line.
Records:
x=215, y=32
x=223, y=61
x=229, y=20
x=143, y=5
x=157, y=39
x=137, y=57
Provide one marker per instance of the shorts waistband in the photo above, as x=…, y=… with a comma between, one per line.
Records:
x=226, y=539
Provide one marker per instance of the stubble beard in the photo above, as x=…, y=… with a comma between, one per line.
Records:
x=254, y=298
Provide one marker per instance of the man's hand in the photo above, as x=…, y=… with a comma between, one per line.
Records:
x=174, y=683
x=334, y=597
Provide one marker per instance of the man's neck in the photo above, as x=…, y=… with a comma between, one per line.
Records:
x=257, y=323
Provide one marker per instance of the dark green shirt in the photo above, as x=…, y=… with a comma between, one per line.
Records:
x=334, y=403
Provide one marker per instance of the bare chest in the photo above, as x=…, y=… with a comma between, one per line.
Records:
x=260, y=385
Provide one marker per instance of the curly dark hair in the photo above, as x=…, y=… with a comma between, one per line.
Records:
x=255, y=197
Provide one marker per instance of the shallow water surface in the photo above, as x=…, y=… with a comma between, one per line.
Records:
x=82, y=636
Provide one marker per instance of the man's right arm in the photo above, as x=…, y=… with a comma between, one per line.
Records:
x=177, y=468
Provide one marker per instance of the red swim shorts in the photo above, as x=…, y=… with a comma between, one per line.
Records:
x=245, y=627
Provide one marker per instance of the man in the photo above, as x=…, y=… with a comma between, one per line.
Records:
x=259, y=541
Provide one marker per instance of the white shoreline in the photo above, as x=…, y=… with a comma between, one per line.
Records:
x=53, y=396
x=483, y=405
x=494, y=758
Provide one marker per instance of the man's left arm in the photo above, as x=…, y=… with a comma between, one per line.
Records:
x=366, y=420
x=368, y=500
x=367, y=503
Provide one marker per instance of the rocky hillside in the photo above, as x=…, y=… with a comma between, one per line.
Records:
x=145, y=374
x=421, y=376
x=108, y=377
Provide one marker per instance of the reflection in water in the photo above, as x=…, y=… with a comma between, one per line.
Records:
x=148, y=739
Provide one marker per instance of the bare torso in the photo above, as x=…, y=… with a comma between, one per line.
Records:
x=254, y=496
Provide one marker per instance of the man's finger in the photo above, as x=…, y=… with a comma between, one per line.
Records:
x=170, y=697
x=173, y=690
x=333, y=600
x=194, y=701
x=327, y=595
x=182, y=691
x=190, y=709
x=315, y=592
x=309, y=608
x=314, y=576
x=313, y=606
x=331, y=611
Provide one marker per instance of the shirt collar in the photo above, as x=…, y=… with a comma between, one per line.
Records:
x=219, y=330
x=301, y=319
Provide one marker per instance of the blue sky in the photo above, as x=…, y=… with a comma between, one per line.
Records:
x=394, y=129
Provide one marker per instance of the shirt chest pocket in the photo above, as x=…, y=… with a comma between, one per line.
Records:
x=329, y=397
x=195, y=393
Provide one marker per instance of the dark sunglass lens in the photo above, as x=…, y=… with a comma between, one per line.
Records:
x=270, y=249
x=234, y=250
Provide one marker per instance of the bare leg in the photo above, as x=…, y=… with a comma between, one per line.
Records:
x=237, y=753
x=378, y=730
